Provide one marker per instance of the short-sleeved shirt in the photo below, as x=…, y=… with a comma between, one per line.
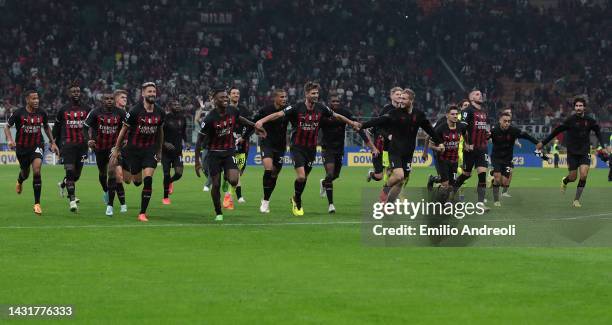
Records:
x=144, y=126
x=29, y=127
x=305, y=123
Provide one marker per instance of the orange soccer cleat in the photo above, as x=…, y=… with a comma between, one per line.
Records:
x=228, y=203
x=166, y=201
x=18, y=188
x=142, y=217
x=37, y=209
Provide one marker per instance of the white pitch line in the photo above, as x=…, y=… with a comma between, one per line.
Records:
x=178, y=225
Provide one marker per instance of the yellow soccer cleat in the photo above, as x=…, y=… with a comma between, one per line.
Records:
x=37, y=209
x=296, y=212
x=577, y=204
x=563, y=186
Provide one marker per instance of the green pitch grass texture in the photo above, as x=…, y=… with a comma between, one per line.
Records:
x=182, y=267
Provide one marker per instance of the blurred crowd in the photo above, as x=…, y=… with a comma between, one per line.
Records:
x=356, y=48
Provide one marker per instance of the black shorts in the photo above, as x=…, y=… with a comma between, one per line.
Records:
x=140, y=159
x=74, y=154
x=505, y=168
x=102, y=159
x=220, y=161
x=172, y=159
x=475, y=158
x=436, y=161
x=401, y=161
x=334, y=157
x=447, y=170
x=124, y=160
x=27, y=156
x=574, y=161
x=303, y=157
x=276, y=155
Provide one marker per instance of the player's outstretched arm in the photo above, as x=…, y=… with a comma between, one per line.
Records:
x=384, y=119
x=260, y=130
x=274, y=116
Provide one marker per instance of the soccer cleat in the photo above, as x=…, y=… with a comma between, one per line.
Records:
x=563, y=186
x=228, y=203
x=37, y=209
x=506, y=194
x=321, y=188
x=331, y=209
x=18, y=188
x=241, y=200
x=171, y=188
x=577, y=204
x=497, y=204
x=142, y=217
x=206, y=188
x=430, y=182
x=296, y=212
x=105, y=197
x=264, y=207
x=62, y=190
x=109, y=210
x=73, y=206
x=219, y=217
x=123, y=208
x=166, y=201
x=369, y=177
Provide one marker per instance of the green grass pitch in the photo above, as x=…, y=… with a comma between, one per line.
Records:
x=181, y=267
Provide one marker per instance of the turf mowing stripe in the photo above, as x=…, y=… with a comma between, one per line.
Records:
x=273, y=224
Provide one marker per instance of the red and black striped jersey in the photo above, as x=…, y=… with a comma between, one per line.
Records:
x=144, y=126
x=219, y=127
x=478, y=127
x=29, y=127
x=305, y=123
x=450, y=139
x=105, y=125
x=70, y=121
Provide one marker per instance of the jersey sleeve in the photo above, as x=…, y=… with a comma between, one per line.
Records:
x=45, y=118
x=131, y=118
x=91, y=119
x=206, y=124
x=327, y=112
x=13, y=118
x=290, y=112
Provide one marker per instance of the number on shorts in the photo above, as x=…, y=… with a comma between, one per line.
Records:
x=83, y=158
x=39, y=151
x=508, y=169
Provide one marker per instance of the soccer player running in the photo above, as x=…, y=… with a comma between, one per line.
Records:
x=103, y=125
x=450, y=131
x=403, y=124
x=143, y=129
x=431, y=180
x=29, y=123
x=121, y=168
x=69, y=128
x=380, y=161
x=175, y=132
x=332, y=144
x=475, y=147
x=217, y=134
x=242, y=151
x=305, y=118
x=273, y=146
x=578, y=128
x=504, y=136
